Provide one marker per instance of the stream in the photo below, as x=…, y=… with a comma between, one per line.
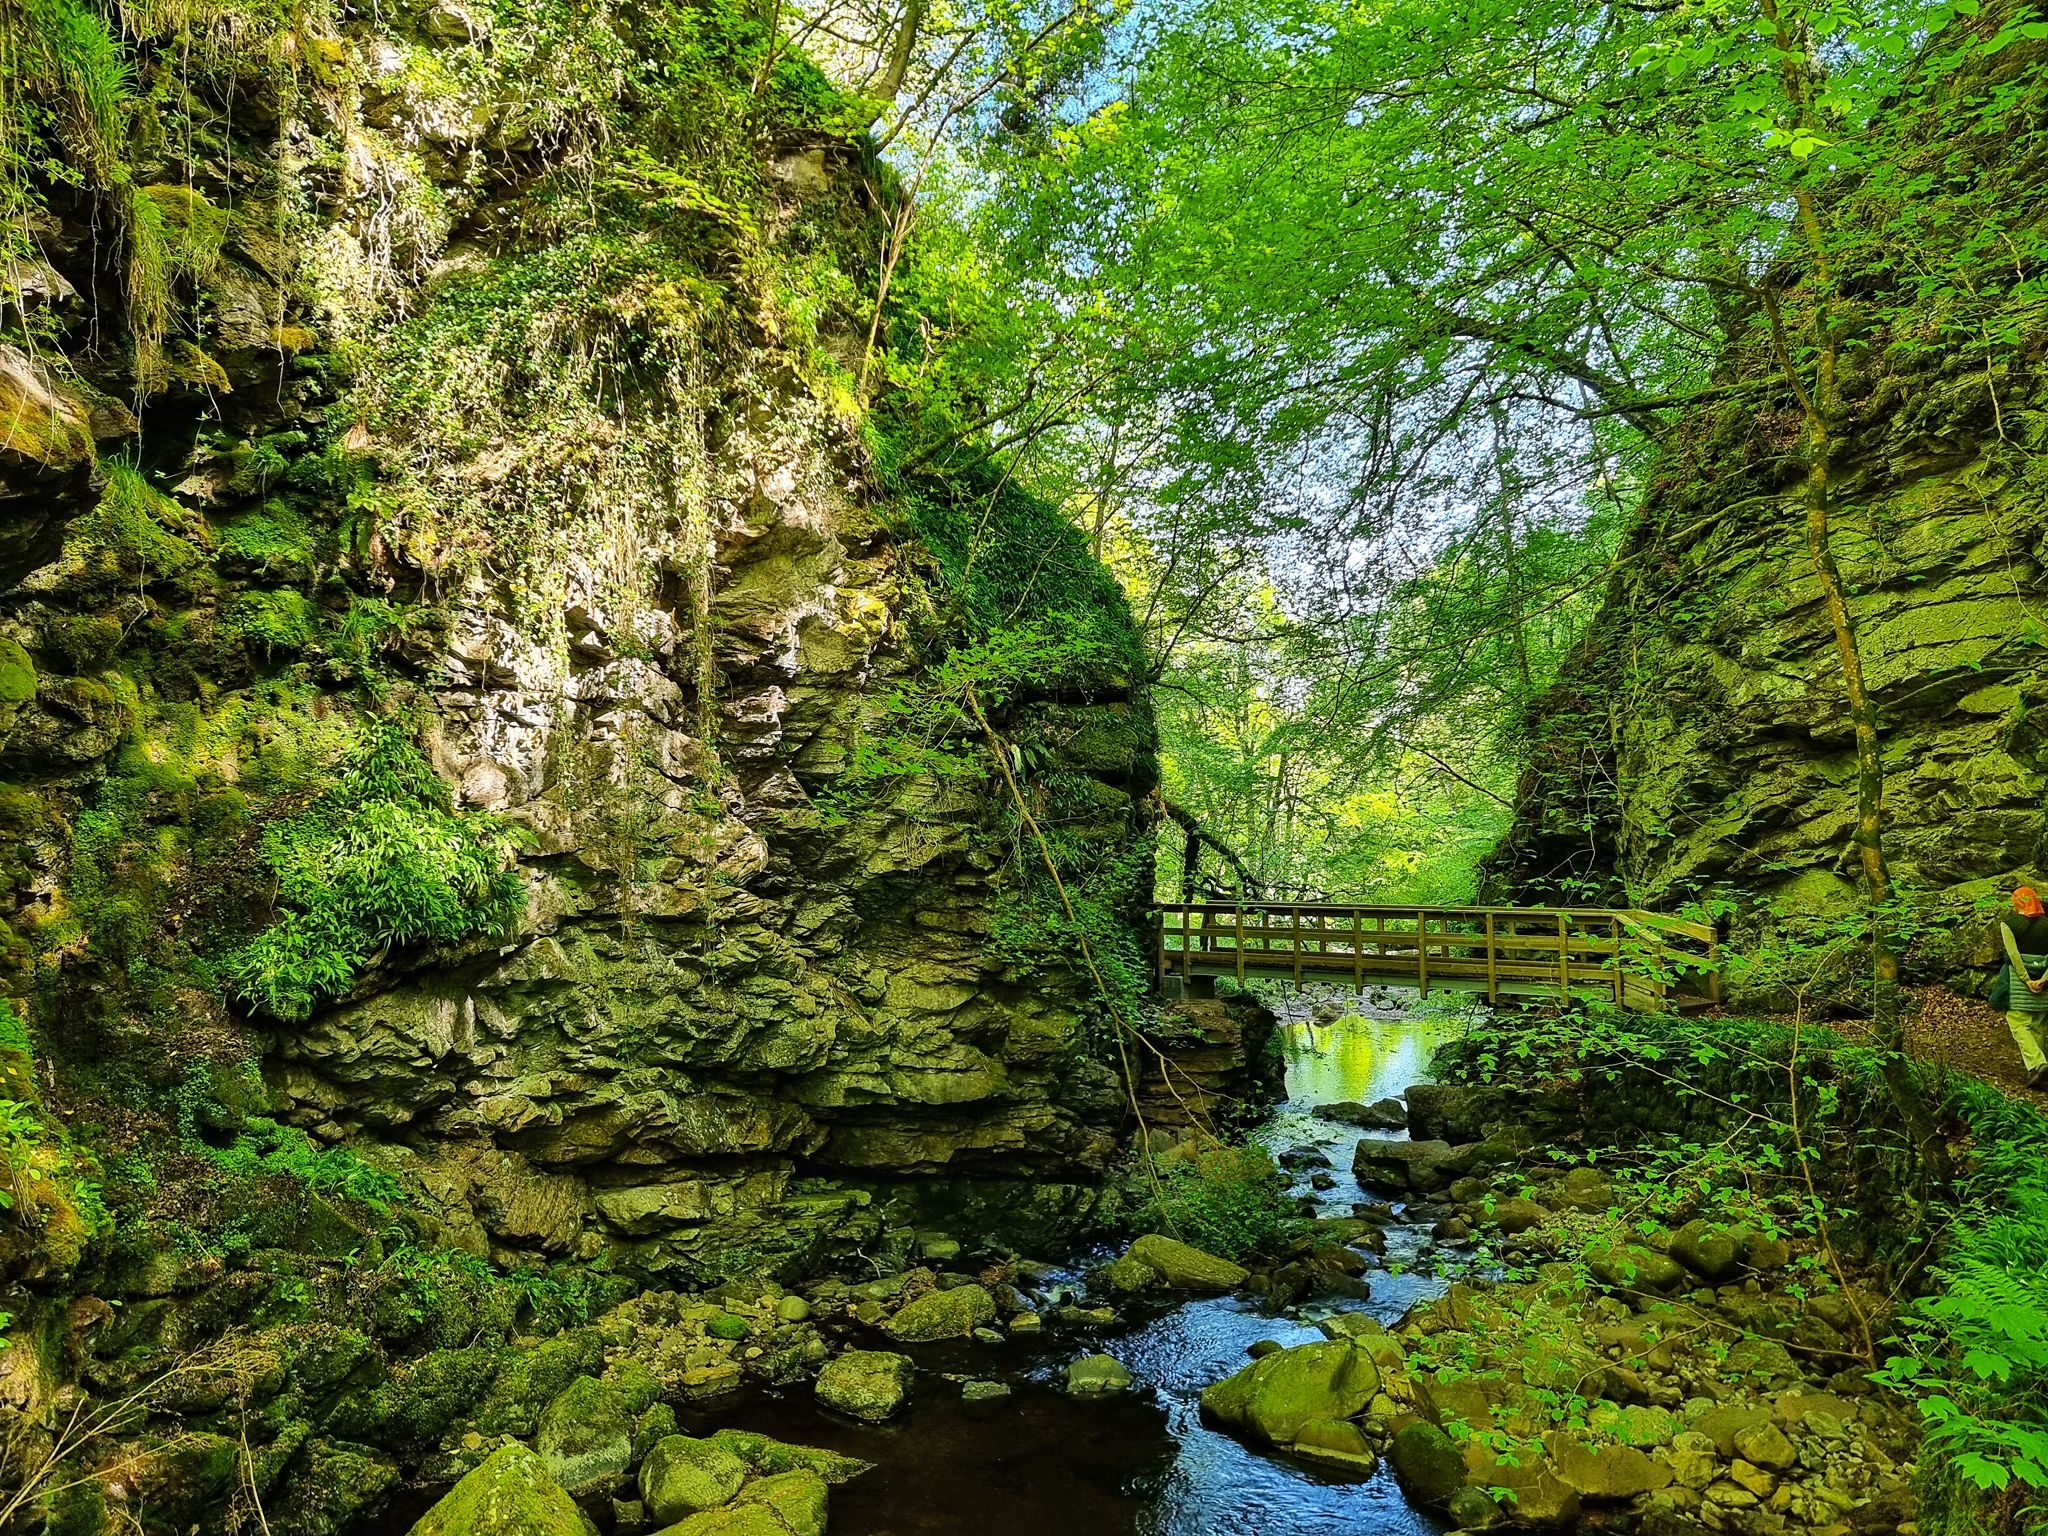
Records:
x=1142, y=1464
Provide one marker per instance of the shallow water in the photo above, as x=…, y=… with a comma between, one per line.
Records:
x=1038, y=1463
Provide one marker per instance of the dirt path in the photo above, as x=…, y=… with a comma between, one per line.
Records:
x=1964, y=1034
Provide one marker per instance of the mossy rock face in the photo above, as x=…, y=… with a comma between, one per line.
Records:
x=17, y=678
x=511, y=1494
x=531, y=1379
x=333, y=1489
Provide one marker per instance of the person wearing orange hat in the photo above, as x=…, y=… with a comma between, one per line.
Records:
x=2025, y=933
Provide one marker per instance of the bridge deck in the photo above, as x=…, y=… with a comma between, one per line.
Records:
x=1640, y=960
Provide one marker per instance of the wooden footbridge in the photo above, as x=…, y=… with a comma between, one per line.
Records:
x=1640, y=960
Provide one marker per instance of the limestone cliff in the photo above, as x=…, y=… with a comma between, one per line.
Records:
x=490, y=388
x=1698, y=747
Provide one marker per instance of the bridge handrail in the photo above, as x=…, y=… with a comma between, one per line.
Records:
x=1634, y=954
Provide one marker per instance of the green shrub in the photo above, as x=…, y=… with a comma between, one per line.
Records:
x=1977, y=1347
x=383, y=858
x=1224, y=1200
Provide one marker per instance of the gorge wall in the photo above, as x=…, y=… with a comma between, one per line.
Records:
x=481, y=686
x=1698, y=746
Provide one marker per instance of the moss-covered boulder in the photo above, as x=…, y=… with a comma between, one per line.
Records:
x=870, y=1384
x=585, y=1436
x=1337, y=1444
x=1427, y=1463
x=511, y=1494
x=950, y=1314
x=1633, y=1267
x=1183, y=1267
x=797, y=1499
x=768, y=1456
x=682, y=1476
x=1711, y=1251
x=733, y=1520
x=1271, y=1399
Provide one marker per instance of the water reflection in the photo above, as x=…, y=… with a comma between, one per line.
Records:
x=1367, y=1052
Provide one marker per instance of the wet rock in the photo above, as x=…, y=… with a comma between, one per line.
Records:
x=937, y=1247
x=1402, y=1167
x=1380, y=1115
x=870, y=1384
x=1271, y=1399
x=982, y=1391
x=1294, y=1159
x=1350, y=1325
x=1322, y=1181
x=1454, y=1111
x=1097, y=1376
x=950, y=1314
x=736, y=1519
x=510, y=1494
x=1258, y=1349
x=682, y=1475
x=792, y=1309
x=1471, y=1510
x=1791, y=1408
x=585, y=1438
x=1723, y=1424
x=1748, y=1475
x=1334, y=1443
x=656, y=1423
x=1026, y=1322
x=1427, y=1462
x=1693, y=1458
x=1181, y=1267
x=1087, y=1319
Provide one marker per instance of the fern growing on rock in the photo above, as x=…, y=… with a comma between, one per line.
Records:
x=383, y=858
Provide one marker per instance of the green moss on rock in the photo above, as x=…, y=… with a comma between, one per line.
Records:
x=511, y=1494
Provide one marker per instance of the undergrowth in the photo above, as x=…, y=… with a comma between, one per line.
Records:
x=1222, y=1199
x=1971, y=1350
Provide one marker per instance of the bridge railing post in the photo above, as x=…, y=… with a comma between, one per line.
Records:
x=1492, y=963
